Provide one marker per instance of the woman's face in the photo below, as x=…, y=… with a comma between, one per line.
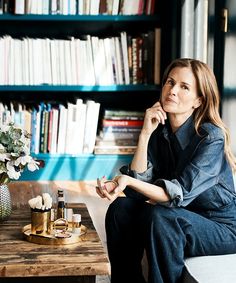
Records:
x=179, y=93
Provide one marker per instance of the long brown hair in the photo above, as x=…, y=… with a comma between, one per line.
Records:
x=208, y=111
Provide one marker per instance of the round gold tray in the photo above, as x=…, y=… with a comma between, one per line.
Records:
x=51, y=239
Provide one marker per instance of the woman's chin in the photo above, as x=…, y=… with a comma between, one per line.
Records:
x=168, y=108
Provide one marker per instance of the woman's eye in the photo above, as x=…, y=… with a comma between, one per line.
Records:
x=185, y=87
x=170, y=82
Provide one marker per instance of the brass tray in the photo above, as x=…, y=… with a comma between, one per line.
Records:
x=51, y=239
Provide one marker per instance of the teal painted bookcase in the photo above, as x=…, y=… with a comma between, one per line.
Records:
x=129, y=97
x=81, y=167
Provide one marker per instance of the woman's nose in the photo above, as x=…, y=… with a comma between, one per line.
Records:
x=174, y=90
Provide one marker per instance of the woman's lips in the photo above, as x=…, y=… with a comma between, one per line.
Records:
x=170, y=100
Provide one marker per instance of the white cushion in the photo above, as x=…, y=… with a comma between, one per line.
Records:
x=211, y=269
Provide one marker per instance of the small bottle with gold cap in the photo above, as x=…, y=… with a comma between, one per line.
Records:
x=60, y=204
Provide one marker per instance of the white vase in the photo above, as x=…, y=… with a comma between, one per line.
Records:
x=5, y=202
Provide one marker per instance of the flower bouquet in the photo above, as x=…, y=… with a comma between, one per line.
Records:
x=14, y=153
x=14, y=158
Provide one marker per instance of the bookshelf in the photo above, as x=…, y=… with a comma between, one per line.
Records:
x=130, y=97
x=79, y=167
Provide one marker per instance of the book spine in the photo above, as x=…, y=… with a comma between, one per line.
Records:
x=122, y=123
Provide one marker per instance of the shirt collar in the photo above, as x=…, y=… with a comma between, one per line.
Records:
x=184, y=134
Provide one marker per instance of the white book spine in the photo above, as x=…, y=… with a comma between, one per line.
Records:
x=92, y=113
x=124, y=48
x=54, y=130
x=73, y=62
x=81, y=119
x=20, y=7
x=2, y=70
x=70, y=128
x=119, y=61
x=109, y=65
x=67, y=56
x=90, y=63
x=62, y=129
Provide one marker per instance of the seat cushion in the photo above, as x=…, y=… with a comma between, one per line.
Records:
x=210, y=269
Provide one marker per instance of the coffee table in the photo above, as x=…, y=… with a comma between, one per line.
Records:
x=23, y=261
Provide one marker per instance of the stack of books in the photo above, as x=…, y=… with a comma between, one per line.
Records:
x=120, y=132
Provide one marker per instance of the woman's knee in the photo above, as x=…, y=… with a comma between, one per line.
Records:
x=123, y=210
x=160, y=215
x=117, y=207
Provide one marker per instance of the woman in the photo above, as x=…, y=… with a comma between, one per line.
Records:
x=181, y=199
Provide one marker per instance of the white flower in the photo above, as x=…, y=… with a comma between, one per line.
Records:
x=33, y=165
x=43, y=202
x=5, y=156
x=5, y=128
x=47, y=200
x=39, y=202
x=23, y=160
x=12, y=172
x=14, y=153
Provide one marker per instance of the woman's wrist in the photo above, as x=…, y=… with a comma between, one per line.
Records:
x=144, y=138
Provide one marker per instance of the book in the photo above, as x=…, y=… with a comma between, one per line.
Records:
x=123, y=114
x=121, y=142
x=122, y=123
x=54, y=130
x=92, y=113
x=115, y=129
x=124, y=49
x=114, y=149
x=71, y=128
x=62, y=129
x=19, y=7
x=80, y=125
x=111, y=136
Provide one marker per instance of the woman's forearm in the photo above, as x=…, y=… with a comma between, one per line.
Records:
x=139, y=162
x=152, y=192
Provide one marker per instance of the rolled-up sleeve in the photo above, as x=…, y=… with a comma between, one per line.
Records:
x=173, y=189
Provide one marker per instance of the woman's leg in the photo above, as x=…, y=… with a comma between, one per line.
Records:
x=125, y=240
x=173, y=233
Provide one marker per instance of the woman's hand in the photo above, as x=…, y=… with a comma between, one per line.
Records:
x=112, y=189
x=153, y=117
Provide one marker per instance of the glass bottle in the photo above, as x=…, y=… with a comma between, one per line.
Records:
x=60, y=204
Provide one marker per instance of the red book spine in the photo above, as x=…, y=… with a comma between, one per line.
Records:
x=122, y=123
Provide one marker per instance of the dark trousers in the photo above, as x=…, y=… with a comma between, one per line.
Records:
x=168, y=235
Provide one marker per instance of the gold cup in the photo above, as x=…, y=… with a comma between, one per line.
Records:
x=40, y=222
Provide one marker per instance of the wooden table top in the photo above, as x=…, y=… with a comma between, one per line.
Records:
x=20, y=258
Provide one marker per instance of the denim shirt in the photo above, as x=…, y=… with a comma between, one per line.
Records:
x=191, y=167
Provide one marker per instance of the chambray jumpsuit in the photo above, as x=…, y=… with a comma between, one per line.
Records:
x=199, y=219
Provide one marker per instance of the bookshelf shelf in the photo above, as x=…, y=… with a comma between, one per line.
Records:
x=76, y=167
x=79, y=88
x=82, y=18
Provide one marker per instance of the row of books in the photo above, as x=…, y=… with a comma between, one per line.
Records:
x=88, y=61
x=63, y=129
x=119, y=132
x=78, y=7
